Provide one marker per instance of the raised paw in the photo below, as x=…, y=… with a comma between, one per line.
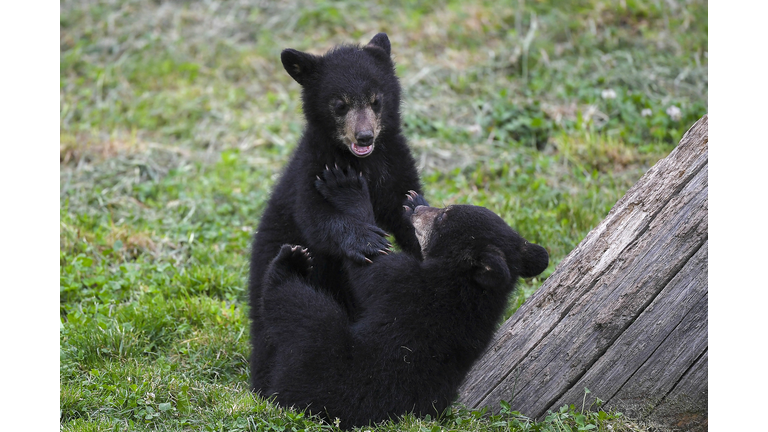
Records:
x=291, y=260
x=413, y=200
x=347, y=191
x=337, y=182
x=368, y=242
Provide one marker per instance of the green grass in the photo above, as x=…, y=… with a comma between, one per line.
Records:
x=176, y=119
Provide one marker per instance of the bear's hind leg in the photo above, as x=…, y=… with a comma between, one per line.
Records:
x=290, y=302
x=290, y=261
x=306, y=330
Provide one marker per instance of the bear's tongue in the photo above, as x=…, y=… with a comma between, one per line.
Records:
x=361, y=151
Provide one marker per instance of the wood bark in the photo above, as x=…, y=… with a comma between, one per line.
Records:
x=624, y=314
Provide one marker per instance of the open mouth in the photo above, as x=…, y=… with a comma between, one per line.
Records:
x=361, y=151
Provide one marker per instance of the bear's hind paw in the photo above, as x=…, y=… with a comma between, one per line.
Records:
x=291, y=260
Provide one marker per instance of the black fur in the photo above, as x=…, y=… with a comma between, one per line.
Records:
x=297, y=213
x=421, y=323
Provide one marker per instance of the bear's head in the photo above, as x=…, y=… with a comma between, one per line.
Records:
x=477, y=241
x=353, y=88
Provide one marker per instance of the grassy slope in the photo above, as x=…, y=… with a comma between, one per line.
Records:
x=177, y=117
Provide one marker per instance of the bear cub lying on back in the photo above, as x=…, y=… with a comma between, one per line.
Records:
x=421, y=325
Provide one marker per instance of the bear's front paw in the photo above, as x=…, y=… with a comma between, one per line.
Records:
x=291, y=260
x=337, y=183
x=368, y=242
x=413, y=200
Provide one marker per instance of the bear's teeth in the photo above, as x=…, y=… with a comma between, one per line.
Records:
x=361, y=151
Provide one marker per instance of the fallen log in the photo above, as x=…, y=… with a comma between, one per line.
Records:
x=624, y=314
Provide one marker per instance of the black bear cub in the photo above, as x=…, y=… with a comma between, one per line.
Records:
x=351, y=101
x=422, y=323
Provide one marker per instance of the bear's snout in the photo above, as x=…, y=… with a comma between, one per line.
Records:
x=364, y=138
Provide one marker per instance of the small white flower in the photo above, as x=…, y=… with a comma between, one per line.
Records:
x=646, y=112
x=608, y=94
x=674, y=113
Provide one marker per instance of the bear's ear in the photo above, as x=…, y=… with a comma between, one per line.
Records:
x=535, y=259
x=380, y=41
x=299, y=65
x=491, y=269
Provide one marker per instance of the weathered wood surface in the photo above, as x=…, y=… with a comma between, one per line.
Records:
x=624, y=314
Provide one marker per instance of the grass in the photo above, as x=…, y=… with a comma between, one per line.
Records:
x=177, y=117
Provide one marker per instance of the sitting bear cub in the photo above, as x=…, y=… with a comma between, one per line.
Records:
x=351, y=103
x=421, y=323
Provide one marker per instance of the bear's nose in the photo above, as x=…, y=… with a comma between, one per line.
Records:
x=364, y=138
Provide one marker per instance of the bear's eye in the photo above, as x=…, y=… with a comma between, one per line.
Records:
x=443, y=215
x=340, y=106
x=376, y=102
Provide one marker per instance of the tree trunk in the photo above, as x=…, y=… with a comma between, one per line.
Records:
x=624, y=314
